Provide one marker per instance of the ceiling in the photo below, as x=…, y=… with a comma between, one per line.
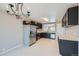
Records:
x=41, y=11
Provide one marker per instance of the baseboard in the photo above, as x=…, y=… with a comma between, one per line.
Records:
x=10, y=49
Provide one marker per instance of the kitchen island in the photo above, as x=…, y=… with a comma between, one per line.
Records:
x=68, y=43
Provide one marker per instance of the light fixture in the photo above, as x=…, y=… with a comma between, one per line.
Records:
x=45, y=19
x=17, y=10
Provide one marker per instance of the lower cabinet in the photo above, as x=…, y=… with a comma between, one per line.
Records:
x=75, y=48
x=48, y=35
x=45, y=35
x=68, y=48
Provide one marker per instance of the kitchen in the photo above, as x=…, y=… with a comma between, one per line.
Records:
x=44, y=30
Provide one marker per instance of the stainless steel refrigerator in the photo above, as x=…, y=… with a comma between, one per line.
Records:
x=29, y=34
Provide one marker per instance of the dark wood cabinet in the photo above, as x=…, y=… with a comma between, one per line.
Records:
x=37, y=36
x=68, y=48
x=39, y=25
x=32, y=22
x=75, y=48
x=64, y=20
x=71, y=17
x=47, y=35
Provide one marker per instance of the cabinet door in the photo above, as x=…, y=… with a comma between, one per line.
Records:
x=73, y=16
x=75, y=48
x=64, y=21
x=65, y=47
x=39, y=25
x=45, y=35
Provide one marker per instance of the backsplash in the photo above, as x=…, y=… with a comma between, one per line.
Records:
x=71, y=33
x=73, y=30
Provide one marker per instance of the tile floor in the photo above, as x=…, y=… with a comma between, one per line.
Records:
x=43, y=47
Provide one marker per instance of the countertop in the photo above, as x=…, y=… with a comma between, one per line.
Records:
x=69, y=37
x=71, y=33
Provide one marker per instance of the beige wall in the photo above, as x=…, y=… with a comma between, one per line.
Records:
x=10, y=31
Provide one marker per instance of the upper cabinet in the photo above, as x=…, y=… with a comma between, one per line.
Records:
x=71, y=17
x=39, y=25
